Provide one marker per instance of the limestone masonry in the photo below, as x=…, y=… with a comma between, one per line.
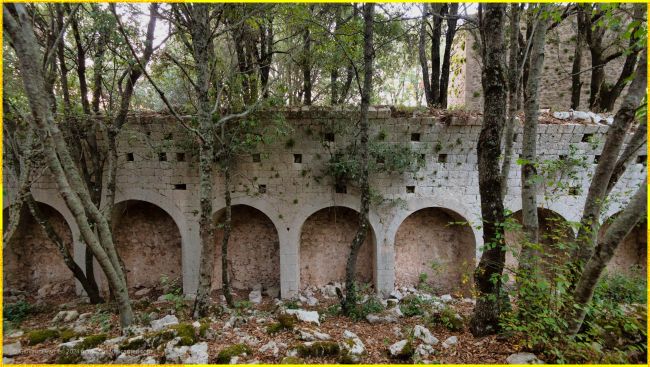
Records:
x=291, y=228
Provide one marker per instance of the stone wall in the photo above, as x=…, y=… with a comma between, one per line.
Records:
x=285, y=181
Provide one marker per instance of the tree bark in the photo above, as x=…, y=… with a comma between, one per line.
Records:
x=596, y=195
x=621, y=227
x=446, y=59
x=422, y=53
x=576, y=83
x=349, y=302
x=437, y=10
x=529, y=144
x=487, y=276
x=227, y=229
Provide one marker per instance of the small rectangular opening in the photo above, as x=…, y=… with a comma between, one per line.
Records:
x=262, y=189
x=169, y=136
x=162, y=157
x=442, y=158
x=586, y=138
x=514, y=136
x=180, y=187
x=130, y=157
x=410, y=189
x=415, y=136
x=642, y=159
x=562, y=157
x=297, y=158
x=596, y=159
x=380, y=160
x=423, y=157
x=341, y=189
x=257, y=158
x=329, y=137
x=180, y=157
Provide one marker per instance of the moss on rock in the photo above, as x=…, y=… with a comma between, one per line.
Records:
x=186, y=332
x=234, y=350
x=318, y=349
x=39, y=336
x=91, y=341
x=66, y=334
x=69, y=356
x=292, y=360
x=135, y=343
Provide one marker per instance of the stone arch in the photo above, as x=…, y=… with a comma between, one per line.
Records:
x=253, y=249
x=148, y=241
x=553, y=229
x=325, y=238
x=631, y=255
x=437, y=242
x=32, y=262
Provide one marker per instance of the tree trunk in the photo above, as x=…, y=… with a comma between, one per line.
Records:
x=485, y=319
x=606, y=164
x=306, y=66
x=349, y=302
x=227, y=228
x=637, y=141
x=621, y=227
x=529, y=144
x=438, y=11
x=513, y=93
x=58, y=158
x=422, y=53
x=576, y=83
x=446, y=60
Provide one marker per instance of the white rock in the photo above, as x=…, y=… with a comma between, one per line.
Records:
x=312, y=301
x=562, y=115
x=523, y=358
x=580, y=115
x=305, y=316
x=328, y=290
x=425, y=335
x=11, y=350
x=257, y=287
x=16, y=334
x=198, y=354
x=142, y=292
x=6, y=360
x=352, y=343
x=234, y=360
x=273, y=292
x=94, y=356
x=255, y=296
x=128, y=358
x=446, y=298
x=452, y=340
x=66, y=316
x=424, y=350
x=380, y=319
x=272, y=347
x=149, y=360
x=71, y=344
x=397, y=295
x=250, y=340
x=164, y=322
x=396, y=348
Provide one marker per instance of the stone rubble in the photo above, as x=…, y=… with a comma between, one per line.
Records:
x=163, y=323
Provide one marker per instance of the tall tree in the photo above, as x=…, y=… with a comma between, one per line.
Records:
x=349, y=302
x=487, y=276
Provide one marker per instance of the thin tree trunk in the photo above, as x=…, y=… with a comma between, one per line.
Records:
x=596, y=195
x=349, y=302
x=529, y=144
x=227, y=228
x=306, y=66
x=576, y=83
x=422, y=53
x=621, y=227
x=637, y=141
x=513, y=93
x=446, y=59
x=487, y=276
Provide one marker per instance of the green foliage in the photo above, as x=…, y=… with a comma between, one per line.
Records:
x=292, y=304
x=69, y=356
x=292, y=360
x=16, y=312
x=234, y=350
x=619, y=288
x=186, y=332
x=447, y=317
x=91, y=341
x=39, y=336
x=102, y=318
x=370, y=306
x=66, y=334
x=412, y=305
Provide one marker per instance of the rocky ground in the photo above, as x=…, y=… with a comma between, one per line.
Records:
x=409, y=327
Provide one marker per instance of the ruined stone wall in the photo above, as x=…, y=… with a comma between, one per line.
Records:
x=631, y=256
x=286, y=181
x=555, y=83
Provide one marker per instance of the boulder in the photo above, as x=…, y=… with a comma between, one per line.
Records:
x=311, y=301
x=451, y=341
x=396, y=294
x=446, y=298
x=195, y=354
x=16, y=334
x=401, y=350
x=380, y=319
x=164, y=322
x=149, y=360
x=95, y=356
x=66, y=316
x=424, y=350
x=272, y=292
x=305, y=316
x=11, y=350
x=523, y=358
x=425, y=335
x=272, y=347
x=142, y=292
x=352, y=344
x=255, y=296
x=128, y=358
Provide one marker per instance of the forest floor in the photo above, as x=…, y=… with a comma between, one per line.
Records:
x=246, y=324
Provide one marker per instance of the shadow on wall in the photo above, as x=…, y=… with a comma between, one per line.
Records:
x=31, y=262
x=325, y=241
x=631, y=255
x=435, y=249
x=148, y=243
x=253, y=250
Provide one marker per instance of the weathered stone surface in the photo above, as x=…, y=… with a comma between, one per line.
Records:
x=142, y=292
x=128, y=358
x=523, y=358
x=305, y=316
x=195, y=354
x=255, y=296
x=11, y=350
x=425, y=335
x=95, y=356
x=424, y=350
x=451, y=341
x=164, y=322
x=352, y=344
x=66, y=316
x=398, y=349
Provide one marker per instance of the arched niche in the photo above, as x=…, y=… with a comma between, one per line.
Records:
x=325, y=241
x=631, y=255
x=555, y=235
x=31, y=261
x=437, y=246
x=148, y=242
x=253, y=250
